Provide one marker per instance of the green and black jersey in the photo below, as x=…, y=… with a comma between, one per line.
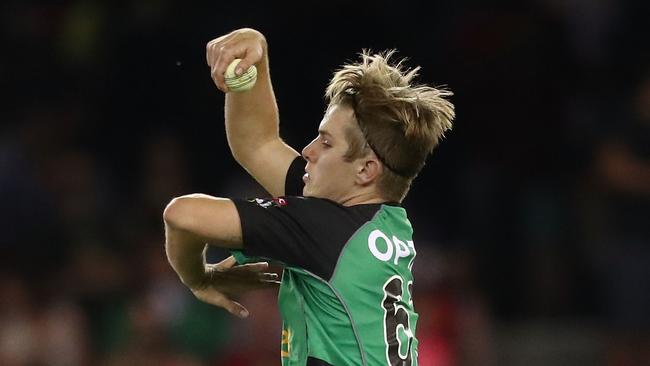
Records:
x=345, y=297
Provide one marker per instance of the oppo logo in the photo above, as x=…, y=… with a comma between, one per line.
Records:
x=386, y=249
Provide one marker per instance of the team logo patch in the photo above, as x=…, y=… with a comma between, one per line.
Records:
x=266, y=203
x=280, y=201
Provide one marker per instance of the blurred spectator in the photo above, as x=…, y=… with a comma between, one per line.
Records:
x=618, y=226
x=34, y=331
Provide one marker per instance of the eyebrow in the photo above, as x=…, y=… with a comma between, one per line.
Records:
x=324, y=133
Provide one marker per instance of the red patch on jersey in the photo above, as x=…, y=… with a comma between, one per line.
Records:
x=266, y=203
x=280, y=201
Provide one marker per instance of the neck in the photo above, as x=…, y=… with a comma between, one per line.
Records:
x=363, y=198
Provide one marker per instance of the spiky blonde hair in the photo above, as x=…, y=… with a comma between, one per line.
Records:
x=400, y=121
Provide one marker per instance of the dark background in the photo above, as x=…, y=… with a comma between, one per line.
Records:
x=531, y=219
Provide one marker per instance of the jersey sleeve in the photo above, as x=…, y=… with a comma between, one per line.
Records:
x=298, y=231
x=293, y=183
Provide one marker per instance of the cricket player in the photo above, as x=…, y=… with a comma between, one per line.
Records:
x=335, y=222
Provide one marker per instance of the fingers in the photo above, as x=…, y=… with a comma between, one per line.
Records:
x=247, y=274
x=230, y=306
x=217, y=299
x=214, y=52
x=250, y=267
x=245, y=44
x=230, y=265
x=227, y=54
x=220, y=278
x=252, y=57
x=213, y=45
x=226, y=263
x=238, y=310
x=218, y=69
x=268, y=276
x=209, y=53
x=271, y=283
x=220, y=53
x=255, y=276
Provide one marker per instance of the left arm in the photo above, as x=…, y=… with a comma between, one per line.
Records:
x=192, y=221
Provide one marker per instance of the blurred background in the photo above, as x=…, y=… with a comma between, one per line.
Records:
x=532, y=219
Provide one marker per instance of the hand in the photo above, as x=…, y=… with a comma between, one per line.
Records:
x=225, y=279
x=246, y=44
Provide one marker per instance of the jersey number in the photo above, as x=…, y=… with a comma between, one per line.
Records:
x=397, y=331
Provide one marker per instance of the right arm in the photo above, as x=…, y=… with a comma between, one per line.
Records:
x=252, y=120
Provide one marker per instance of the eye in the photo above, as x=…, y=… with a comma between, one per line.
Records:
x=325, y=142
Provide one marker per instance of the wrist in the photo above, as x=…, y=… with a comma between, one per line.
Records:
x=194, y=278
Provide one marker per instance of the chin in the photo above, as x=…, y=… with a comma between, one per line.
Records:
x=306, y=192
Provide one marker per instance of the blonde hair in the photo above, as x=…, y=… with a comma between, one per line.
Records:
x=401, y=122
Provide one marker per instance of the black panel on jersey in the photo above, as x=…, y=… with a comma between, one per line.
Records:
x=300, y=231
x=293, y=183
x=316, y=362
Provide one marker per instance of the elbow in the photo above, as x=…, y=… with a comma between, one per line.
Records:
x=177, y=212
x=181, y=212
x=239, y=155
x=172, y=213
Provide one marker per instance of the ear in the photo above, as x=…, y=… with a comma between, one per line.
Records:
x=368, y=171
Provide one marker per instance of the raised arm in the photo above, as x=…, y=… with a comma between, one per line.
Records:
x=252, y=121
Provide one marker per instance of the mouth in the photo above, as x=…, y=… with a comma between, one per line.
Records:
x=305, y=177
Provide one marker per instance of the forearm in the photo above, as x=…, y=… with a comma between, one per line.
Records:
x=252, y=117
x=192, y=221
x=186, y=255
x=252, y=122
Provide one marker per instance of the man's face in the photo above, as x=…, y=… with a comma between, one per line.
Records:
x=328, y=175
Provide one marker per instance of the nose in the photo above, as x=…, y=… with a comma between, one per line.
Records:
x=308, y=152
